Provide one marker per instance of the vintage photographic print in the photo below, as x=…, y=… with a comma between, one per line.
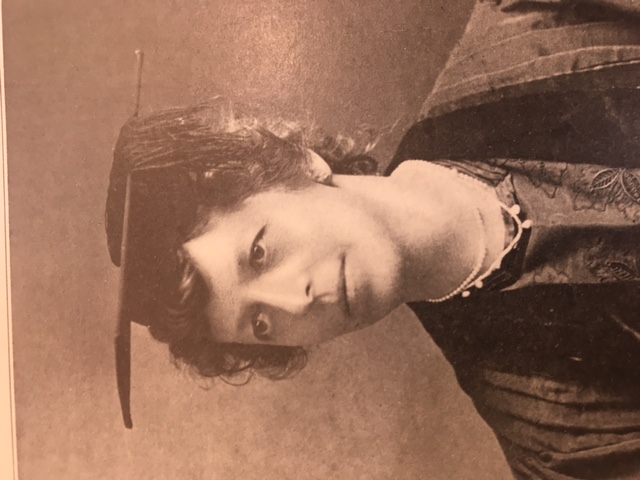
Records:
x=277, y=239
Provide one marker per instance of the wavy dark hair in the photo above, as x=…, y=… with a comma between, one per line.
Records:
x=231, y=156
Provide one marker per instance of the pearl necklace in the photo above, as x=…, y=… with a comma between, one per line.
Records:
x=473, y=279
x=514, y=213
x=481, y=255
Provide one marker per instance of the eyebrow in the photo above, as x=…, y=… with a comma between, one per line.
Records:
x=215, y=321
x=209, y=295
x=256, y=239
x=243, y=259
x=218, y=327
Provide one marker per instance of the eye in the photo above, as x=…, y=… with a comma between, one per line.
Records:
x=260, y=327
x=258, y=252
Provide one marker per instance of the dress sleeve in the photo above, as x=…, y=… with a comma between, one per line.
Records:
x=513, y=48
x=627, y=6
x=553, y=373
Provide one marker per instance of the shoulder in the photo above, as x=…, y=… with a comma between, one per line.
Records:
x=516, y=47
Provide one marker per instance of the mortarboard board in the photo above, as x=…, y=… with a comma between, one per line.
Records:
x=147, y=209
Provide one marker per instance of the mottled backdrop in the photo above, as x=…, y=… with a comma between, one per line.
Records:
x=378, y=404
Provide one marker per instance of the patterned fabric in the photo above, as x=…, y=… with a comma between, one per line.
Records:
x=542, y=98
x=586, y=218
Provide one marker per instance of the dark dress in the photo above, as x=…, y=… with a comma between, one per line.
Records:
x=541, y=99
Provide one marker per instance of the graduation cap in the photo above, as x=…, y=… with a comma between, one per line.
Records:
x=165, y=166
x=145, y=210
x=148, y=207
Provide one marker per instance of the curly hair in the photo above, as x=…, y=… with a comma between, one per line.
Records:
x=229, y=156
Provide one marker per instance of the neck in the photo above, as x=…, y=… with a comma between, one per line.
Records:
x=433, y=218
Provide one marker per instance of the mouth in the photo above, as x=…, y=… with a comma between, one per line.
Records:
x=344, y=297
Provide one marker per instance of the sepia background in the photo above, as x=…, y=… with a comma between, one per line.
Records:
x=377, y=404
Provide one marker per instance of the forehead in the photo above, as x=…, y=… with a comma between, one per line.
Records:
x=214, y=254
x=276, y=202
x=229, y=219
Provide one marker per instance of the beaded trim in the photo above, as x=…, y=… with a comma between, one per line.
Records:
x=473, y=280
x=521, y=226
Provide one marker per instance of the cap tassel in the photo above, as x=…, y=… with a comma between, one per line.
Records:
x=139, y=62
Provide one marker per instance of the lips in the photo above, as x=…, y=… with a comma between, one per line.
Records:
x=344, y=297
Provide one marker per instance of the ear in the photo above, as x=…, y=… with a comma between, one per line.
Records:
x=318, y=169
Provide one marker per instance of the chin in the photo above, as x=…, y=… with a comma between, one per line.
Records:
x=384, y=299
x=373, y=282
x=377, y=309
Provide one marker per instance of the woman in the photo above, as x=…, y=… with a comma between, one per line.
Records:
x=516, y=243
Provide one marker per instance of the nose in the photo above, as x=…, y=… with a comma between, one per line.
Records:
x=287, y=289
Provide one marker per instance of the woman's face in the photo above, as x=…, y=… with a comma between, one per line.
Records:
x=296, y=267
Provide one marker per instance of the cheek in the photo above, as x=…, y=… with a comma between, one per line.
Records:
x=311, y=329
x=310, y=229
